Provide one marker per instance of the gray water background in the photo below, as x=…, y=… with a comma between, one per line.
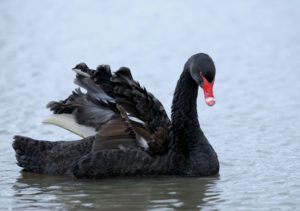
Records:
x=254, y=126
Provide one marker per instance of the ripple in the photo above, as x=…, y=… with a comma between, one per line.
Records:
x=254, y=126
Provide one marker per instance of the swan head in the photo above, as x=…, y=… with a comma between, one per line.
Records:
x=203, y=71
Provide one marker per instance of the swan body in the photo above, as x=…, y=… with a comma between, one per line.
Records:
x=125, y=130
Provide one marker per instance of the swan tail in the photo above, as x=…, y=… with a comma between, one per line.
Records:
x=50, y=157
x=30, y=153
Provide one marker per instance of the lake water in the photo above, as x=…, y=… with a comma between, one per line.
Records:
x=254, y=126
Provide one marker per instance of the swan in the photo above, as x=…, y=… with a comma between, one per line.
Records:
x=125, y=130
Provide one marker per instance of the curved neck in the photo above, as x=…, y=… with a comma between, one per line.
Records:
x=185, y=124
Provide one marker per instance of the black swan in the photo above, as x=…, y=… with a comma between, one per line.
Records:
x=125, y=129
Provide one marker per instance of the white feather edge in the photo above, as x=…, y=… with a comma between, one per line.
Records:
x=79, y=72
x=68, y=122
x=142, y=142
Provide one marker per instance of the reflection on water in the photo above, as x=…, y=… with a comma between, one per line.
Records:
x=49, y=192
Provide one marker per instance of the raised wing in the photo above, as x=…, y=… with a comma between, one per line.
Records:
x=122, y=112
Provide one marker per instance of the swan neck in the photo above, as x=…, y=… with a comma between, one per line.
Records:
x=185, y=124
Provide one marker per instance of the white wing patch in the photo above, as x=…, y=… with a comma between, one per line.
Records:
x=68, y=122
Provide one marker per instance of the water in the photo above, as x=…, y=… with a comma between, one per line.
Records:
x=254, y=127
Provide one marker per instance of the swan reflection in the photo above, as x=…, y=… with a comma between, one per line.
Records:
x=166, y=193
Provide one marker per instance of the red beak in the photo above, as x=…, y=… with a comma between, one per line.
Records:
x=208, y=91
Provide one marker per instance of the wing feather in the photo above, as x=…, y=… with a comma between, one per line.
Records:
x=123, y=112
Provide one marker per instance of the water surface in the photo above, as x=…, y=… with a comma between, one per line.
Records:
x=254, y=127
